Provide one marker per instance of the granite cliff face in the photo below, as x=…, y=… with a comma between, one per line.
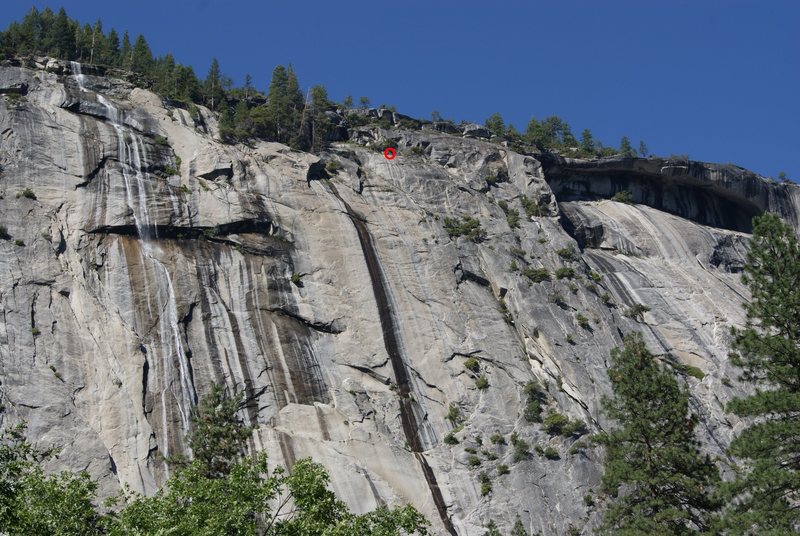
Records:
x=158, y=261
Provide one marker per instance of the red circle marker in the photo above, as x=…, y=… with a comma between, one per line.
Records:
x=390, y=153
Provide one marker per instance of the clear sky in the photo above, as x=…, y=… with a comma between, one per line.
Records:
x=718, y=80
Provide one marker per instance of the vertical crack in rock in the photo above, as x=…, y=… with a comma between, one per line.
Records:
x=390, y=340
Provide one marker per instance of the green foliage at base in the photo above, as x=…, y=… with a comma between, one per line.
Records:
x=218, y=492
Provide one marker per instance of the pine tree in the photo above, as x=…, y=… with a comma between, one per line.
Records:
x=29, y=33
x=125, y=50
x=47, y=20
x=83, y=42
x=165, y=76
x=513, y=135
x=321, y=126
x=277, y=121
x=496, y=125
x=243, y=124
x=284, y=106
x=218, y=436
x=363, y=102
x=295, y=104
x=213, y=86
x=767, y=492
x=187, y=87
x=643, y=151
x=112, y=47
x=659, y=481
x=587, y=142
x=248, y=86
x=142, y=57
x=63, y=40
x=625, y=147
x=567, y=138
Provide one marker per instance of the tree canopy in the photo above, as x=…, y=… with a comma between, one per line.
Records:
x=659, y=480
x=219, y=491
x=765, y=497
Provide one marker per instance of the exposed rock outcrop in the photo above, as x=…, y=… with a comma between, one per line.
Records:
x=158, y=262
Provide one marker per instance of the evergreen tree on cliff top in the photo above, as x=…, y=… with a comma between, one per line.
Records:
x=659, y=481
x=766, y=496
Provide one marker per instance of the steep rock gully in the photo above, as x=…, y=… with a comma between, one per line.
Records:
x=390, y=339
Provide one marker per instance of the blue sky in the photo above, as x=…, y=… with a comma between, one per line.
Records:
x=717, y=80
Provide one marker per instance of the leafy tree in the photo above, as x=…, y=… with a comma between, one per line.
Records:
x=243, y=497
x=625, y=147
x=32, y=503
x=659, y=481
x=767, y=492
x=363, y=102
x=347, y=103
x=496, y=125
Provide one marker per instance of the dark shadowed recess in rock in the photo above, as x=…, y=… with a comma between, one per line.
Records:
x=723, y=196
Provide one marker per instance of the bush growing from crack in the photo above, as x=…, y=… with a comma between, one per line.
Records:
x=27, y=193
x=551, y=454
x=565, y=272
x=453, y=414
x=486, y=483
x=497, y=439
x=472, y=365
x=623, y=196
x=482, y=382
x=297, y=280
x=567, y=253
x=469, y=227
x=537, y=275
x=636, y=312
